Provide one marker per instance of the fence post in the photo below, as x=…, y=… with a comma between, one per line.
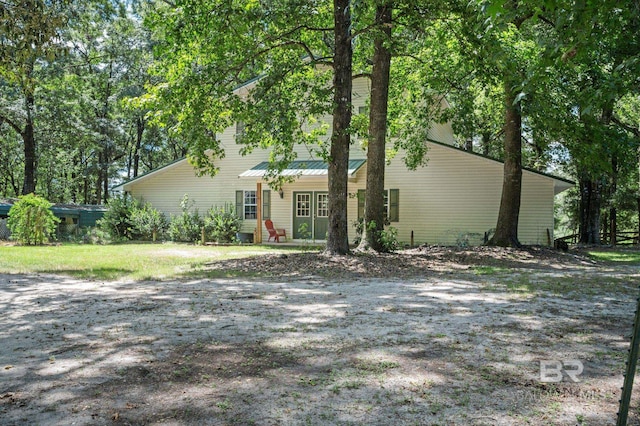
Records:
x=630, y=373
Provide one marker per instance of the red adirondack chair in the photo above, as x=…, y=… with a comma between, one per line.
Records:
x=273, y=232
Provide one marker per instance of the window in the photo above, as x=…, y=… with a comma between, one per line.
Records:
x=240, y=131
x=322, y=205
x=303, y=205
x=250, y=205
x=391, y=204
x=247, y=204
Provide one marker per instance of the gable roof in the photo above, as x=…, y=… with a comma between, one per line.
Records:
x=148, y=174
x=559, y=184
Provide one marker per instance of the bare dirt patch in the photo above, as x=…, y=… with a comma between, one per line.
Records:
x=413, y=263
x=432, y=336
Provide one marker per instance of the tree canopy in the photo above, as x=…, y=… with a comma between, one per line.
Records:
x=106, y=90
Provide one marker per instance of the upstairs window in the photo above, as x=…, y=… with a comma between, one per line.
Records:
x=240, y=132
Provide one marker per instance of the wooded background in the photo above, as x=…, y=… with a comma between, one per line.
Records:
x=98, y=91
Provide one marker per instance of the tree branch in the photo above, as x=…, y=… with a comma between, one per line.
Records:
x=629, y=128
x=11, y=123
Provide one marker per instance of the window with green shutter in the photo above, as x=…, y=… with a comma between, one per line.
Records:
x=391, y=204
x=361, y=195
x=246, y=207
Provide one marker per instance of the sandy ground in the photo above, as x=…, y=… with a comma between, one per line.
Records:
x=445, y=348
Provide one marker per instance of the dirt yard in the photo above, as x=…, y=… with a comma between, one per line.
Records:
x=428, y=336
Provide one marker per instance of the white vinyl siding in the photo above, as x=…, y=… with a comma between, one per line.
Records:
x=457, y=193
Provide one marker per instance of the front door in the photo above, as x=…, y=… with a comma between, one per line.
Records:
x=310, y=215
x=321, y=217
x=302, y=215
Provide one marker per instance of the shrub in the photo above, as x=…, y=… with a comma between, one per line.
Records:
x=358, y=224
x=31, y=220
x=149, y=222
x=389, y=239
x=94, y=236
x=222, y=224
x=186, y=227
x=117, y=220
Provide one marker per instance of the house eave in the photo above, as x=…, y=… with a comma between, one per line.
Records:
x=125, y=186
x=559, y=184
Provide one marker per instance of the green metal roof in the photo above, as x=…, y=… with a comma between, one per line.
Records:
x=87, y=214
x=302, y=168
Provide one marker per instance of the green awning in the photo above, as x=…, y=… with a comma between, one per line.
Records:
x=302, y=168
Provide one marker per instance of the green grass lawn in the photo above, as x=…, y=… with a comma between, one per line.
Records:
x=619, y=256
x=130, y=261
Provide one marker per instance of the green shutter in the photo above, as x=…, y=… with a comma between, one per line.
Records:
x=266, y=204
x=361, y=197
x=394, y=205
x=239, y=203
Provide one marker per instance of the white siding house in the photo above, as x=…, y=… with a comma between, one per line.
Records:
x=453, y=199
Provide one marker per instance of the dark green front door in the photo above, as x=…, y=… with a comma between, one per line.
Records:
x=310, y=215
x=303, y=215
x=321, y=215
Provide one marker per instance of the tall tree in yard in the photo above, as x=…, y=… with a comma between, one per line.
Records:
x=600, y=68
x=376, y=148
x=506, y=233
x=402, y=30
x=337, y=238
x=29, y=32
x=510, y=52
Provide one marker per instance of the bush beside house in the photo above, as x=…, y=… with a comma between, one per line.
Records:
x=31, y=220
x=129, y=219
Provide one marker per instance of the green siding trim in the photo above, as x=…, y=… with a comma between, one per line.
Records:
x=394, y=205
x=239, y=204
x=361, y=197
x=266, y=204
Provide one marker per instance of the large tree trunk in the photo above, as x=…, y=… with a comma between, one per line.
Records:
x=136, y=154
x=105, y=185
x=99, y=177
x=591, y=193
x=613, y=211
x=468, y=145
x=486, y=143
x=590, y=203
x=506, y=234
x=638, y=203
x=337, y=237
x=29, y=183
x=374, y=196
